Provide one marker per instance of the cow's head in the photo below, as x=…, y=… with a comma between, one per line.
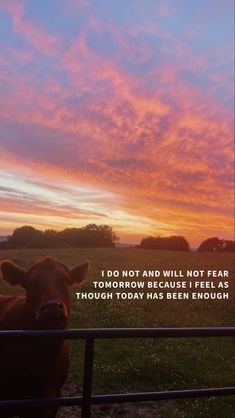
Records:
x=47, y=284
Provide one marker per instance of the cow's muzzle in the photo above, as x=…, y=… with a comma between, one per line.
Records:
x=52, y=314
x=51, y=304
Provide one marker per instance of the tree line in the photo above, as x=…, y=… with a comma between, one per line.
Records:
x=179, y=243
x=93, y=235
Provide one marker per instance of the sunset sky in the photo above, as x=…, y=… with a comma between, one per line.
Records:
x=117, y=112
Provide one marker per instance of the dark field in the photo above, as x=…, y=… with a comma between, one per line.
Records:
x=149, y=365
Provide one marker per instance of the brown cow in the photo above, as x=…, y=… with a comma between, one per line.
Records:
x=35, y=368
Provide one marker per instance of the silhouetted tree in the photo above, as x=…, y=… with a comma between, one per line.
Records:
x=22, y=236
x=229, y=246
x=102, y=235
x=51, y=237
x=173, y=243
x=39, y=241
x=216, y=244
x=69, y=237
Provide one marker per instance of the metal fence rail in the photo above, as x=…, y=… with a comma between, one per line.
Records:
x=90, y=335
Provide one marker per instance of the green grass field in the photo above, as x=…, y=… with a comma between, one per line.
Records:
x=149, y=365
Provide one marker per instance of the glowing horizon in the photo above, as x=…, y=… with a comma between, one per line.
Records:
x=117, y=114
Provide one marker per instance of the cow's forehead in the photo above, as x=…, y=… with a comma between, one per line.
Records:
x=48, y=263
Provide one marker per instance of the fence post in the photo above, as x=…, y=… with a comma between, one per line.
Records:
x=87, y=377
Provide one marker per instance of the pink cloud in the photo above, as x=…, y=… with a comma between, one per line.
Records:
x=39, y=39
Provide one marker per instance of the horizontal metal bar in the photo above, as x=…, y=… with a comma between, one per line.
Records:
x=164, y=395
x=121, y=398
x=98, y=333
x=63, y=401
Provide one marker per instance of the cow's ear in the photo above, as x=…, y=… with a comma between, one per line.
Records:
x=13, y=274
x=79, y=273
